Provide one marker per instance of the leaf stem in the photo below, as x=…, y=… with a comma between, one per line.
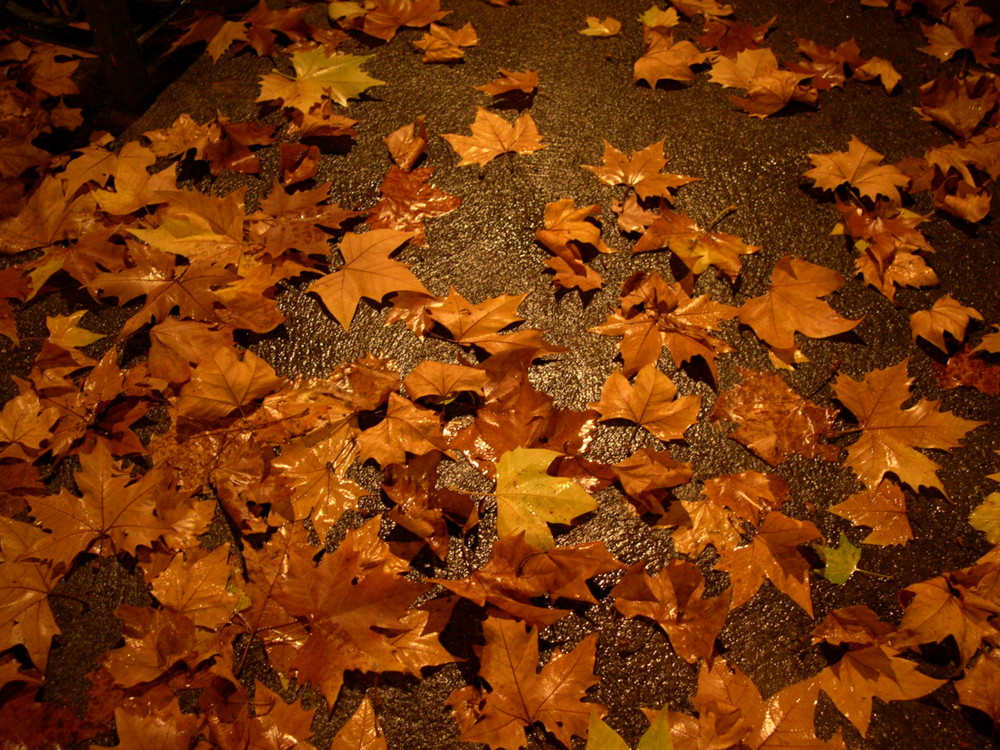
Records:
x=730, y=209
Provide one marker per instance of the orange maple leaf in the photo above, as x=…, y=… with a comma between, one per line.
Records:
x=890, y=435
x=772, y=555
x=442, y=44
x=794, y=304
x=674, y=600
x=641, y=171
x=492, y=135
x=883, y=509
x=368, y=271
x=510, y=81
x=774, y=421
x=519, y=695
x=860, y=168
x=650, y=403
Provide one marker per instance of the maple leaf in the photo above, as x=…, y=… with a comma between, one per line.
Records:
x=443, y=381
x=959, y=104
x=890, y=435
x=520, y=695
x=869, y=668
x=318, y=75
x=655, y=17
x=772, y=555
x=565, y=223
x=517, y=415
x=407, y=200
x=510, y=81
x=959, y=33
x=696, y=247
x=650, y=402
x=859, y=166
x=25, y=424
x=768, y=87
x=840, y=562
x=730, y=37
x=654, y=314
x=25, y=617
x=774, y=421
x=492, y=135
x=385, y=19
x=407, y=144
x=112, y=508
x=883, y=509
x=442, y=44
x=519, y=572
x=794, y=304
x=666, y=60
x=674, y=599
x=985, y=517
x=407, y=428
x=529, y=498
x=978, y=688
x=646, y=475
x=361, y=731
x=961, y=604
x=320, y=490
x=596, y=27
x=947, y=315
x=198, y=589
x=879, y=67
x=166, y=285
x=656, y=737
x=640, y=171
x=368, y=271
x=225, y=383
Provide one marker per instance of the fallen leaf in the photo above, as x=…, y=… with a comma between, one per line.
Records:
x=985, y=517
x=947, y=315
x=318, y=75
x=596, y=27
x=675, y=600
x=697, y=248
x=224, y=382
x=860, y=167
x=407, y=144
x=840, y=562
x=492, y=135
x=793, y=304
x=772, y=555
x=361, y=731
x=890, y=435
x=654, y=314
x=519, y=695
x=529, y=498
x=407, y=199
x=883, y=509
x=980, y=686
x=368, y=271
x=774, y=421
x=640, y=171
x=509, y=81
x=650, y=403
x=666, y=60
x=442, y=44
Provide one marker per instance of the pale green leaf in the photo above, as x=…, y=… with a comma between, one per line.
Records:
x=840, y=562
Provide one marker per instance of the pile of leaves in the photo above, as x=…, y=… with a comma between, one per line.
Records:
x=232, y=554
